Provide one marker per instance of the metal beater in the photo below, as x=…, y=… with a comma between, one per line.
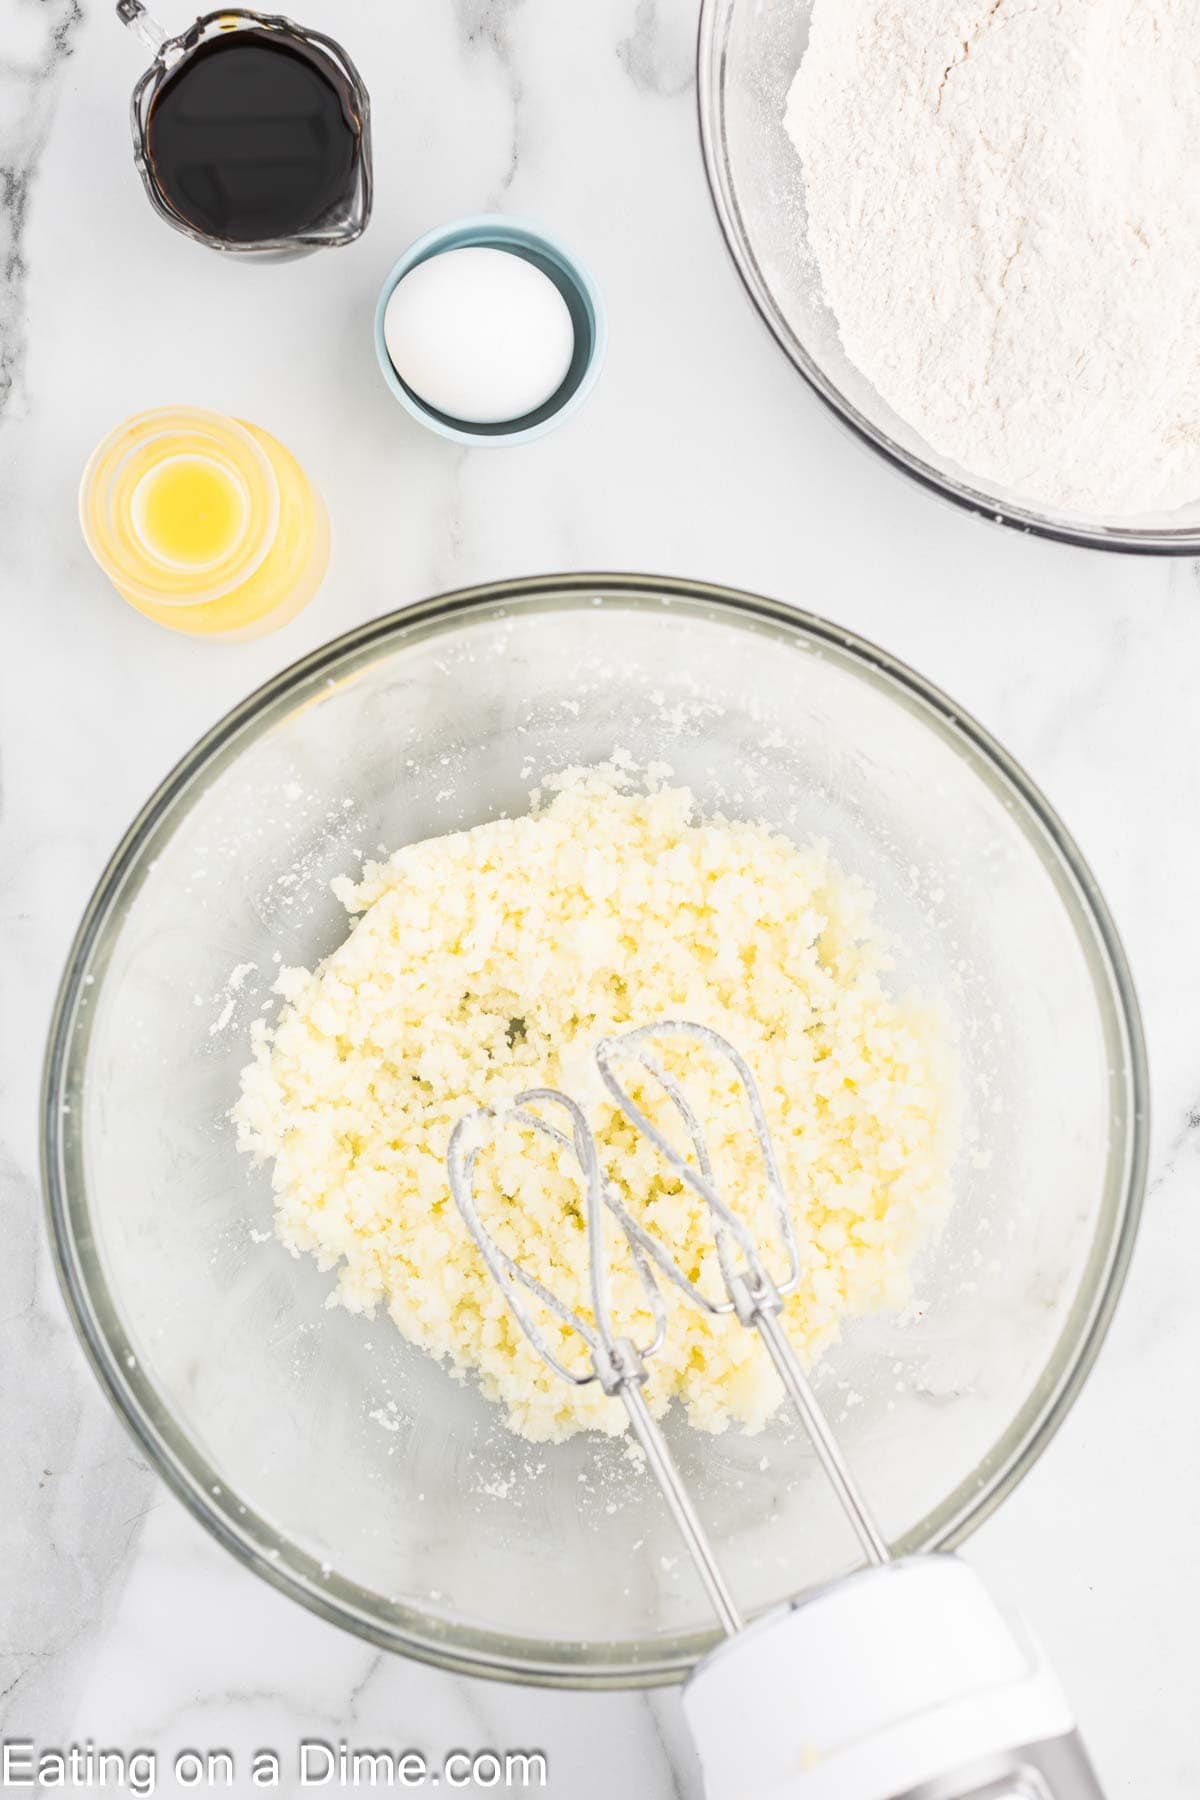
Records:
x=900, y=1682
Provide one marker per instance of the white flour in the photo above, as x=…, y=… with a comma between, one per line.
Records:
x=1004, y=203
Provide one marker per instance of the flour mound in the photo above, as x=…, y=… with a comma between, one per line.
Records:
x=1004, y=204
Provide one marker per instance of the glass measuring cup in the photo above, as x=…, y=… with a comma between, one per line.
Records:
x=239, y=165
x=205, y=524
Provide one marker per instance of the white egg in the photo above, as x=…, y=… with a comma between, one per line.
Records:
x=481, y=335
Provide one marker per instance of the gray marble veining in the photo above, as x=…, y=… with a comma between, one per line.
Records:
x=659, y=54
x=32, y=66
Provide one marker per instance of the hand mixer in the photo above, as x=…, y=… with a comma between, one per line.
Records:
x=900, y=1681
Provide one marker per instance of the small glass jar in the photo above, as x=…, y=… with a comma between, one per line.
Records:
x=346, y=217
x=206, y=524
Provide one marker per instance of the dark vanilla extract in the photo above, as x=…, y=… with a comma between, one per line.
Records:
x=254, y=138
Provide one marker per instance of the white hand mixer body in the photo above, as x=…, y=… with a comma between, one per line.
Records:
x=902, y=1681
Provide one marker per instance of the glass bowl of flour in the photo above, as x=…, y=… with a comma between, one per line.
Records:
x=329, y=1452
x=979, y=251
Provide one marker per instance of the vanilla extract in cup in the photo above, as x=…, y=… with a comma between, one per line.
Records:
x=252, y=133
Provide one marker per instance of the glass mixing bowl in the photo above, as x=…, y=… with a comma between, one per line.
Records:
x=749, y=50
x=347, y=1467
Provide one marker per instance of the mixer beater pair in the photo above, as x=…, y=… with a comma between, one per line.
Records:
x=901, y=1682
x=752, y=1294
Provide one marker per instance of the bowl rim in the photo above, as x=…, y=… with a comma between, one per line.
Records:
x=710, y=87
x=466, y=1649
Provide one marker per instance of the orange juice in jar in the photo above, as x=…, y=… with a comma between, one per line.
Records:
x=206, y=524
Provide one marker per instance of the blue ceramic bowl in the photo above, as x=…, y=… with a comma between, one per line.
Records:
x=494, y=231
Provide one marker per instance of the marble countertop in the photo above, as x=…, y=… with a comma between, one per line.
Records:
x=699, y=454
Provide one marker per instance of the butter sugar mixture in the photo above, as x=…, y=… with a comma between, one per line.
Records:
x=491, y=960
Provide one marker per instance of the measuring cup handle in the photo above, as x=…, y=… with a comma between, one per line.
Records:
x=143, y=26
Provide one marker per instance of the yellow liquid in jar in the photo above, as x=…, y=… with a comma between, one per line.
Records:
x=189, y=511
x=205, y=524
